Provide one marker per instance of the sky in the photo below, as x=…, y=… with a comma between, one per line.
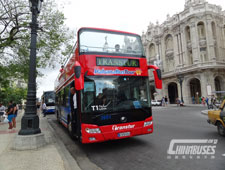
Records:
x=125, y=15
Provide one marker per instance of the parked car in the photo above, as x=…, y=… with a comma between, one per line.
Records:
x=156, y=102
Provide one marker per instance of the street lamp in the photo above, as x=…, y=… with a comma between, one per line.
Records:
x=180, y=79
x=30, y=120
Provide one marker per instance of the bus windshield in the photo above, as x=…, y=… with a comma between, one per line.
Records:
x=92, y=41
x=112, y=94
x=49, y=98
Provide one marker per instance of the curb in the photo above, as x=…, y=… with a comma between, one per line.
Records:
x=204, y=112
x=69, y=162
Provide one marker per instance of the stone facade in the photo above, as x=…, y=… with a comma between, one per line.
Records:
x=189, y=47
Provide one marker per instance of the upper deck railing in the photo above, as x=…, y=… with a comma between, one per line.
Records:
x=56, y=83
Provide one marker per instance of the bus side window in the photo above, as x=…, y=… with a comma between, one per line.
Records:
x=56, y=99
x=64, y=97
x=61, y=97
x=67, y=90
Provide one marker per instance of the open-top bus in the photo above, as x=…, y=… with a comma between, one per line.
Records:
x=110, y=74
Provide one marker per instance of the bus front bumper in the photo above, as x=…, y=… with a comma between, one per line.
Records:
x=93, y=133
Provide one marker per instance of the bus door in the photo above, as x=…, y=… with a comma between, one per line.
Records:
x=64, y=105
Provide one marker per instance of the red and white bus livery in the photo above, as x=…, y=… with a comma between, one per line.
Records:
x=110, y=74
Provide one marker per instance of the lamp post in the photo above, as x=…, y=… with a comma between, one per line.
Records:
x=30, y=120
x=180, y=79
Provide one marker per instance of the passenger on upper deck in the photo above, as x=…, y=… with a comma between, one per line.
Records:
x=62, y=69
x=117, y=47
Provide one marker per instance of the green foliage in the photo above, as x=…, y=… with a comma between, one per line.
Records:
x=12, y=93
x=54, y=38
x=54, y=43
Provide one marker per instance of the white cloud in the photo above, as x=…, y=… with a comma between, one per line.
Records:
x=131, y=16
x=46, y=83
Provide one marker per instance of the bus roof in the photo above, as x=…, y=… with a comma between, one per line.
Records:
x=104, y=29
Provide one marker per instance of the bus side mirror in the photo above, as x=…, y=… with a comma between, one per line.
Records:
x=79, y=76
x=157, y=76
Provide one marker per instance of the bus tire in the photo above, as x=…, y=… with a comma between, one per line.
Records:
x=220, y=129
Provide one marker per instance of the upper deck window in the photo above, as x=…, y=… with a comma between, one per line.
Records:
x=113, y=43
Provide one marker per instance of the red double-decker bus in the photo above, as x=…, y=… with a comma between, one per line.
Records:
x=110, y=73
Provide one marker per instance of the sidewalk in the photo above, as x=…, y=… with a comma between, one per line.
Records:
x=53, y=156
x=188, y=105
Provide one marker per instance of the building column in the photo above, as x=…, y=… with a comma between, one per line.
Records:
x=220, y=42
x=182, y=47
x=163, y=57
x=177, y=52
x=185, y=91
x=195, y=43
x=203, y=82
x=210, y=41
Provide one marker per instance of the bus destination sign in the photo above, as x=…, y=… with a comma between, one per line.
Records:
x=122, y=62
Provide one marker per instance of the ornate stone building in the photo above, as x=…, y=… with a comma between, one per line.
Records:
x=189, y=47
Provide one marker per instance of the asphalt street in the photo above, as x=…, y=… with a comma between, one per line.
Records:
x=150, y=151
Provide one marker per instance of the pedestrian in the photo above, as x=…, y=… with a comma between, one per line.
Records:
x=193, y=100
x=178, y=101
x=203, y=100
x=207, y=102
x=166, y=100
x=214, y=100
x=15, y=111
x=200, y=100
x=44, y=109
x=163, y=101
x=10, y=114
x=2, y=111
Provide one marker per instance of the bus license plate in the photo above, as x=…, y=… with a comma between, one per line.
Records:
x=123, y=134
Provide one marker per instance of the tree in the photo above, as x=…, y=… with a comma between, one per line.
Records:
x=53, y=46
x=54, y=38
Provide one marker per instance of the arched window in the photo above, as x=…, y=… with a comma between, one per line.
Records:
x=188, y=33
x=218, y=85
x=201, y=30
x=190, y=57
x=213, y=29
x=152, y=51
x=169, y=42
x=195, y=89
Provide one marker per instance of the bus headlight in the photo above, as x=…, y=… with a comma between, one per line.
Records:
x=96, y=130
x=147, y=123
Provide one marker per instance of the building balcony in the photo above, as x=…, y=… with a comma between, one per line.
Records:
x=169, y=53
x=152, y=58
x=189, y=45
x=202, y=42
